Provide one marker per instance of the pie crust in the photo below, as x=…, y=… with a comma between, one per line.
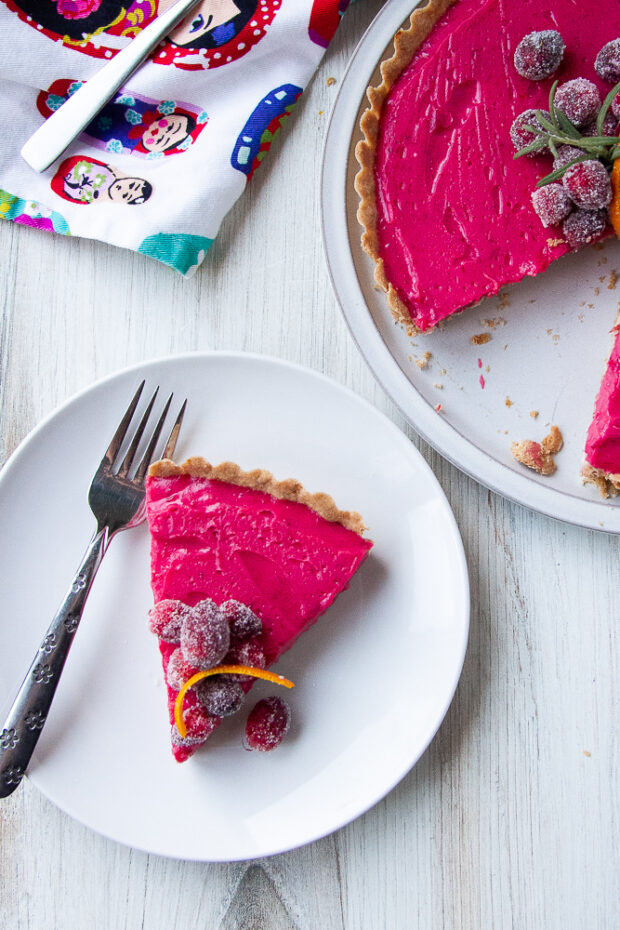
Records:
x=261, y=480
x=406, y=43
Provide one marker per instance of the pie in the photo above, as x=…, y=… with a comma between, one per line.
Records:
x=446, y=209
x=221, y=536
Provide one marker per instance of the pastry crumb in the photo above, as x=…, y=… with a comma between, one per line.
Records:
x=494, y=322
x=552, y=242
x=539, y=455
x=533, y=414
x=330, y=81
x=443, y=371
x=587, y=753
x=597, y=291
x=423, y=362
x=479, y=339
x=504, y=300
x=613, y=280
x=438, y=386
x=488, y=369
x=508, y=402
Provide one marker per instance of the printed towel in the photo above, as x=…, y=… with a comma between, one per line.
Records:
x=163, y=162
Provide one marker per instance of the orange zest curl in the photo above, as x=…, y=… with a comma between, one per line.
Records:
x=614, y=206
x=222, y=670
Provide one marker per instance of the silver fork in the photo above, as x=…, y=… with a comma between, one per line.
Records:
x=117, y=499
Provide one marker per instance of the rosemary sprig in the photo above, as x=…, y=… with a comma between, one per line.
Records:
x=556, y=129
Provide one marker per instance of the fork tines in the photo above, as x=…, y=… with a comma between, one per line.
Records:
x=149, y=455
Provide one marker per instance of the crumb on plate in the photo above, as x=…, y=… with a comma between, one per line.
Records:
x=539, y=455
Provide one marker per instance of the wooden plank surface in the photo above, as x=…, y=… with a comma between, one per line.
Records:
x=511, y=818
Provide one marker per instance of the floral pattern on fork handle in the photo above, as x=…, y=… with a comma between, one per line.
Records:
x=21, y=730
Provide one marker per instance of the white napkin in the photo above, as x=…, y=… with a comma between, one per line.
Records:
x=164, y=161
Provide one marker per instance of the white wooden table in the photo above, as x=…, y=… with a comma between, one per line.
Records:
x=511, y=818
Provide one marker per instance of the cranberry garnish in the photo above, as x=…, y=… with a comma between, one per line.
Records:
x=579, y=100
x=539, y=54
x=200, y=725
x=566, y=154
x=165, y=620
x=242, y=621
x=552, y=204
x=588, y=184
x=521, y=136
x=205, y=636
x=179, y=670
x=249, y=653
x=219, y=695
x=610, y=126
x=607, y=62
x=267, y=724
x=581, y=227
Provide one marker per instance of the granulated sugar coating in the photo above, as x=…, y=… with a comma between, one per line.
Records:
x=552, y=204
x=248, y=653
x=582, y=227
x=205, y=636
x=566, y=154
x=179, y=670
x=521, y=136
x=539, y=54
x=166, y=618
x=267, y=724
x=588, y=184
x=219, y=695
x=200, y=725
x=607, y=62
x=242, y=621
x=578, y=99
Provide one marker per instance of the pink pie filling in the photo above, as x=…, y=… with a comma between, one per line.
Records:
x=603, y=441
x=216, y=540
x=455, y=216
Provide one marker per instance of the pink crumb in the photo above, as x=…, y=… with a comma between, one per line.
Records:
x=479, y=363
x=482, y=381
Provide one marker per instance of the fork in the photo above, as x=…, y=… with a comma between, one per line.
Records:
x=117, y=500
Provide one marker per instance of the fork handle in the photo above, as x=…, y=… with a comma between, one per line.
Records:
x=26, y=718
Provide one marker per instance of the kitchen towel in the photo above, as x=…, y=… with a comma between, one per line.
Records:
x=162, y=163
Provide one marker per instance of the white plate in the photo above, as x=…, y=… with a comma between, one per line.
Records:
x=548, y=357
x=374, y=677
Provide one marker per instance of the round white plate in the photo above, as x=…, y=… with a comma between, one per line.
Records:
x=549, y=356
x=374, y=677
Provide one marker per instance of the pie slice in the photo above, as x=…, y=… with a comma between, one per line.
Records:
x=602, y=465
x=267, y=547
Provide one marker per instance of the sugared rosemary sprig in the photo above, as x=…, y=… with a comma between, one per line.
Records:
x=557, y=129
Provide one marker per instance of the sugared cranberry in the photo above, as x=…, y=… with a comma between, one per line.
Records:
x=566, y=154
x=588, y=184
x=249, y=653
x=520, y=135
x=267, y=724
x=205, y=636
x=539, y=54
x=607, y=62
x=219, y=695
x=579, y=100
x=552, y=204
x=242, y=621
x=610, y=126
x=165, y=620
x=200, y=725
x=581, y=227
x=179, y=670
